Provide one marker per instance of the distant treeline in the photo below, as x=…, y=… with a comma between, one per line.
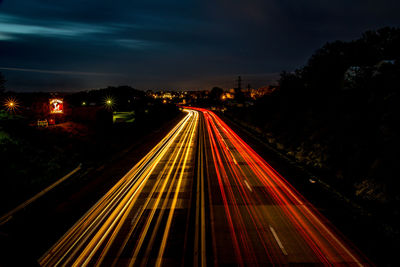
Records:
x=121, y=97
x=340, y=114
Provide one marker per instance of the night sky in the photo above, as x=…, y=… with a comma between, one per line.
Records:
x=48, y=45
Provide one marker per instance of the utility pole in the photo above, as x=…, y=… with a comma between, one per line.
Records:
x=238, y=90
x=239, y=84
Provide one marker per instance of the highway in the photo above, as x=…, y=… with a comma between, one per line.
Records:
x=202, y=197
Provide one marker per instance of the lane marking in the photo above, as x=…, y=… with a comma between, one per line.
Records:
x=234, y=160
x=278, y=240
x=136, y=216
x=248, y=186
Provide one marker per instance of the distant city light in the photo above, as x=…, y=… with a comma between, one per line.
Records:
x=83, y=103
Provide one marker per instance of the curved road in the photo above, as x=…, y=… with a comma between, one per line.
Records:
x=202, y=197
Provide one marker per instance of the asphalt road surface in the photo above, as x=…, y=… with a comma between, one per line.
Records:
x=202, y=197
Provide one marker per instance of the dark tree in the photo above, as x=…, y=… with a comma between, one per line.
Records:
x=340, y=112
x=2, y=83
x=216, y=94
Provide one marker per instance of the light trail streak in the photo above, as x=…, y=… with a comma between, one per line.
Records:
x=172, y=209
x=306, y=225
x=249, y=203
x=99, y=231
x=199, y=256
x=232, y=198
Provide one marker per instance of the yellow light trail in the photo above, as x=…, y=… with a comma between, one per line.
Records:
x=149, y=220
x=199, y=253
x=95, y=235
x=172, y=209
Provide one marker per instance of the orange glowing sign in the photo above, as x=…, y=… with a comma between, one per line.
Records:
x=56, y=105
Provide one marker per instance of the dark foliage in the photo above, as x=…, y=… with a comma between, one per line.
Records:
x=340, y=113
x=2, y=83
x=215, y=95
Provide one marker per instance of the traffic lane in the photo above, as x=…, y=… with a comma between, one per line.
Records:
x=174, y=213
x=315, y=229
x=290, y=204
x=90, y=242
x=152, y=204
x=138, y=246
x=254, y=241
x=81, y=232
x=269, y=230
x=202, y=253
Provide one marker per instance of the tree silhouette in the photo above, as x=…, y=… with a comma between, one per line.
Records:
x=2, y=83
x=341, y=110
x=216, y=94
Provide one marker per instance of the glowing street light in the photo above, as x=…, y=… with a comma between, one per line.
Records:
x=11, y=104
x=109, y=102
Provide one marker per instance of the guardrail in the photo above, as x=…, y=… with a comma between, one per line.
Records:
x=8, y=216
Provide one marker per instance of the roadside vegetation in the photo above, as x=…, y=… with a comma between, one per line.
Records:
x=339, y=115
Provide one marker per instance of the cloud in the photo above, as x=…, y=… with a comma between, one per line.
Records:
x=60, y=72
x=159, y=43
x=5, y=37
x=13, y=27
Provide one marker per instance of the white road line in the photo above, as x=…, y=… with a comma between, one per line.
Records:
x=234, y=160
x=278, y=240
x=248, y=186
x=136, y=215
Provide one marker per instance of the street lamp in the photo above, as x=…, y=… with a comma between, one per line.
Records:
x=109, y=102
x=11, y=104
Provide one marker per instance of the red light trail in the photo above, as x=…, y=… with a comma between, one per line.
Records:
x=237, y=166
